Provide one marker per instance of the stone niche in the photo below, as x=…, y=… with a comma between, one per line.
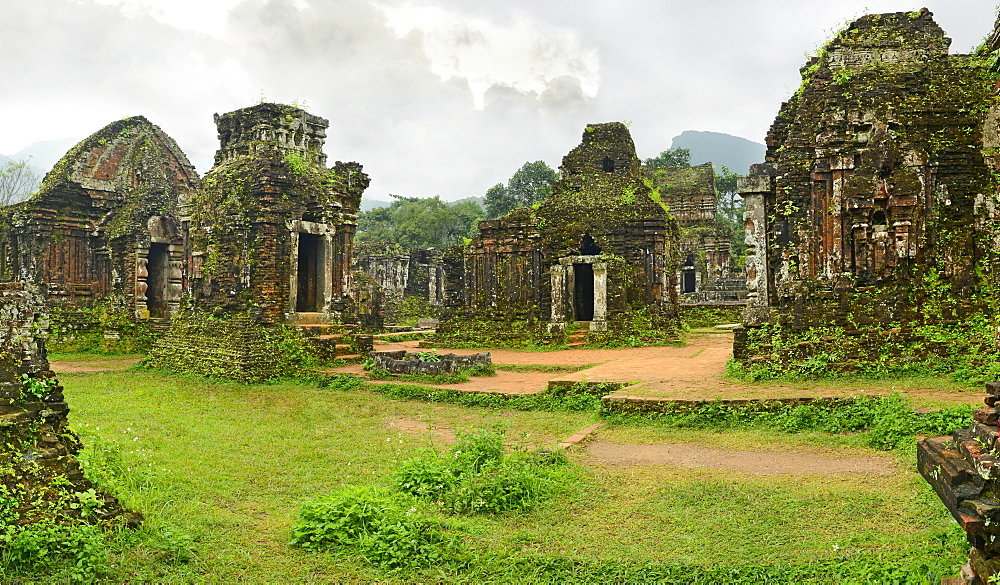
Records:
x=872, y=226
x=599, y=252
x=107, y=224
x=38, y=446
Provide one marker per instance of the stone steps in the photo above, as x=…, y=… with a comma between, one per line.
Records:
x=577, y=337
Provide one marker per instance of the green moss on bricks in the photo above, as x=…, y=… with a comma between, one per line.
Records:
x=880, y=247
x=230, y=347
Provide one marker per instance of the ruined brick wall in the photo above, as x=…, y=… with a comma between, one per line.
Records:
x=874, y=217
x=107, y=209
x=41, y=475
x=705, y=267
x=964, y=471
x=426, y=277
x=601, y=248
x=272, y=227
x=416, y=274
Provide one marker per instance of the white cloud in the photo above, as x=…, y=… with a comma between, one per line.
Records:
x=204, y=16
x=523, y=54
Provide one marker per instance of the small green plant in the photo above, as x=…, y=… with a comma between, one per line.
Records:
x=477, y=449
x=476, y=477
x=296, y=163
x=381, y=527
x=513, y=486
x=36, y=388
x=428, y=356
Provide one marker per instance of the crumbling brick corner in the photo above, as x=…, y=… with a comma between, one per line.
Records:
x=38, y=446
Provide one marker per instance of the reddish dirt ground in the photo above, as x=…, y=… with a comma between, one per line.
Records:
x=693, y=372
x=98, y=365
x=600, y=452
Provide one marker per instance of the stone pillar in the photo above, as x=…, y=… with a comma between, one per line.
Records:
x=754, y=189
x=175, y=279
x=558, y=320
x=600, y=320
x=141, y=283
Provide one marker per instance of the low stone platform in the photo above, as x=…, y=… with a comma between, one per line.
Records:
x=407, y=362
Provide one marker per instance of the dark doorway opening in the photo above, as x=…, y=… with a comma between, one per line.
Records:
x=308, y=299
x=688, y=283
x=583, y=292
x=157, y=280
x=588, y=247
x=608, y=165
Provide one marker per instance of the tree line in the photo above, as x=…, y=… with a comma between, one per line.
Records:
x=429, y=222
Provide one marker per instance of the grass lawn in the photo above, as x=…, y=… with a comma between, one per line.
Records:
x=220, y=471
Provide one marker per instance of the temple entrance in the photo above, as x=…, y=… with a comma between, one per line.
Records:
x=688, y=277
x=309, y=297
x=158, y=280
x=583, y=292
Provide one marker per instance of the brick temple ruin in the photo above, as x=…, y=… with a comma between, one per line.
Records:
x=271, y=231
x=872, y=225
x=598, y=253
x=271, y=222
x=401, y=278
x=705, y=272
x=106, y=225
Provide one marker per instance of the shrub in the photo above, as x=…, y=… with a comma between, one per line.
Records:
x=76, y=552
x=379, y=526
x=426, y=476
x=476, y=449
x=504, y=487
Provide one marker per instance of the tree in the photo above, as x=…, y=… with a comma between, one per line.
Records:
x=17, y=181
x=730, y=210
x=498, y=201
x=529, y=184
x=415, y=222
x=674, y=157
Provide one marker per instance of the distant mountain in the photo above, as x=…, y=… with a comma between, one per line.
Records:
x=43, y=155
x=736, y=153
x=369, y=204
x=480, y=201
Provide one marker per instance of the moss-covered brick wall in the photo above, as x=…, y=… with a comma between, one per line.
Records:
x=269, y=191
x=104, y=225
x=604, y=226
x=225, y=346
x=873, y=223
x=40, y=480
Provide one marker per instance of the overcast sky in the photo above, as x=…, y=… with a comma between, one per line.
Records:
x=433, y=97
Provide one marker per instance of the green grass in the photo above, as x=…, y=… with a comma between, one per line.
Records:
x=220, y=471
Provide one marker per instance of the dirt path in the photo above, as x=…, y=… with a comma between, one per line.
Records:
x=110, y=364
x=600, y=452
x=693, y=372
